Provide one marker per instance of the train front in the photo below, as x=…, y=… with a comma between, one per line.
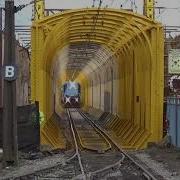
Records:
x=70, y=95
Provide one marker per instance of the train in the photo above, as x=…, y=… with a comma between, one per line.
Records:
x=70, y=95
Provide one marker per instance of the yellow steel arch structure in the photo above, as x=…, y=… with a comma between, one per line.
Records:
x=134, y=42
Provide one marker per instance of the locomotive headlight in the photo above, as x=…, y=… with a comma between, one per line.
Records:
x=77, y=99
x=68, y=100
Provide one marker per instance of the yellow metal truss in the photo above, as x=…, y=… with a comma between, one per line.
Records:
x=39, y=7
x=149, y=8
x=136, y=42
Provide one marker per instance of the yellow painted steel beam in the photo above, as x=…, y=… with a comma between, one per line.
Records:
x=149, y=10
x=39, y=8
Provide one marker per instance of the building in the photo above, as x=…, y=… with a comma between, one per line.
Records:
x=23, y=80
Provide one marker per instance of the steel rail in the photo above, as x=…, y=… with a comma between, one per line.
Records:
x=89, y=175
x=148, y=175
x=76, y=145
x=100, y=135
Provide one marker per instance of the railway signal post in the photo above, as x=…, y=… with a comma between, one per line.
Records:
x=10, y=149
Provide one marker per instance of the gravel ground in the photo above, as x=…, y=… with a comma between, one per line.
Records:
x=30, y=166
x=164, y=161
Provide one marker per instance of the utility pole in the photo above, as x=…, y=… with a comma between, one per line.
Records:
x=10, y=147
x=1, y=85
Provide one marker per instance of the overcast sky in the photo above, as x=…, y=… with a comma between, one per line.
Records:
x=168, y=16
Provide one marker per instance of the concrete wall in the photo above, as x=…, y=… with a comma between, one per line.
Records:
x=23, y=81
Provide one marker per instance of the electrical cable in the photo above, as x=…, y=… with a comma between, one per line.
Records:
x=124, y=3
x=93, y=4
x=112, y=2
x=135, y=6
x=91, y=34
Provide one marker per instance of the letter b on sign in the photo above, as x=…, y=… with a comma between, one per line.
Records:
x=10, y=73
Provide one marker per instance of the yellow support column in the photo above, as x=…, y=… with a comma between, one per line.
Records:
x=39, y=7
x=157, y=78
x=149, y=9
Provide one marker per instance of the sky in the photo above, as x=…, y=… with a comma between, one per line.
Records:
x=167, y=17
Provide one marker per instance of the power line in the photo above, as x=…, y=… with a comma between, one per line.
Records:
x=124, y=3
x=161, y=7
x=112, y=2
x=93, y=5
x=162, y=10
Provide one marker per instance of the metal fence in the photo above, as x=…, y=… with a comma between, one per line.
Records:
x=28, y=127
x=173, y=116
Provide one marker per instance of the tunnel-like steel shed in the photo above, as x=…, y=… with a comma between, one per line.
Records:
x=116, y=56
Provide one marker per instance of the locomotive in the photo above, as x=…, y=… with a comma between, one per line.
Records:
x=70, y=95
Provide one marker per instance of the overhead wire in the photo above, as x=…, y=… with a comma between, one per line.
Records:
x=99, y=52
x=97, y=15
x=112, y=2
x=135, y=6
x=93, y=4
x=162, y=10
x=124, y=3
x=91, y=34
x=95, y=19
x=18, y=7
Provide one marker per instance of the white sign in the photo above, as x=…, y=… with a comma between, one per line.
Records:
x=174, y=61
x=10, y=73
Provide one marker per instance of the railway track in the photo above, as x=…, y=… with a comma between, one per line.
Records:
x=112, y=170
x=88, y=136
x=95, y=157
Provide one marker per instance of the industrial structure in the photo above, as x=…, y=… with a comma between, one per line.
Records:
x=82, y=90
x=126, y=96
x=117, y=56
